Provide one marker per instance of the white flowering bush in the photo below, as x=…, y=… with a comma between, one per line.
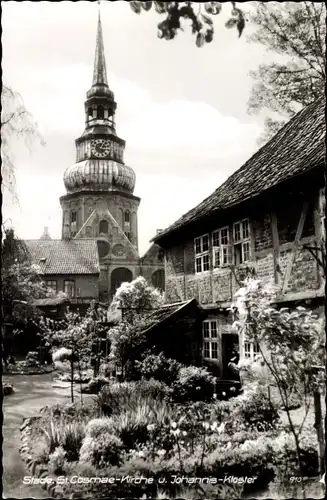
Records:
x=193, y=384
x=62, y=354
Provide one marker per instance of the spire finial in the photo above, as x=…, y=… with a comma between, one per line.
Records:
x=100, y=71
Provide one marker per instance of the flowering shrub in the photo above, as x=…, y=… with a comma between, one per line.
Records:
x=253, y=410
x=102, y=451
x=158, y=367
x=62, y=354
x=32, y=359
x=193, y=384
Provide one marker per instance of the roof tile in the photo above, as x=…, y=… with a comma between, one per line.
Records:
x=76, y=256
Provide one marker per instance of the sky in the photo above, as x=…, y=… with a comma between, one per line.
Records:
x=182, y=110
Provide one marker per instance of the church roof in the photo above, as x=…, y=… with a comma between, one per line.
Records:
x=298, y=147
x=65, y=256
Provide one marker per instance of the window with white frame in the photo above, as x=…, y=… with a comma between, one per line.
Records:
x=210, y=339
x=251, y=350
x=221, y=248
x=241, y=242
x=201, y=247
x=69, y=288
x=53, y=285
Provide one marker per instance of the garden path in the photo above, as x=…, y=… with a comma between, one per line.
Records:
x=32, y=392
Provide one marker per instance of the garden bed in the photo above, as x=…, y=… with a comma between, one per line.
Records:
x=134, y=429
x=20, y=368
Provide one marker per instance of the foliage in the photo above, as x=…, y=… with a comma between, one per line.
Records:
x=135, y=298
x=253, y=410
x=129, y=342
x=291, y=344
x=100, y=447
x=296, y=33
x=127, y=396
x=158, y=367
x=57, y=460
x=95, y=385
x=16, y=124
x=200, y=17
x=193, y=384
x=68, y=435
x=21, y=281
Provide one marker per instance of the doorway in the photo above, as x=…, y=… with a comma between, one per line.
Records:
x=230, y=352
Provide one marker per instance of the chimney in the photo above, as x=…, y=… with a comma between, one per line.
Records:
x=46, y=235
x=158, y=231
x=65, y=233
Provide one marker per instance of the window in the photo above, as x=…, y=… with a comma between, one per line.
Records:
x=251, y=350
x=127, y=217
x=210, y=339
x=73, y=216
x=52, y=284
x=100, y=113
x=202, y=261
x=103, y=227
x=242, y=247
x=69, y=288
x=128, y=235
x=221, y=249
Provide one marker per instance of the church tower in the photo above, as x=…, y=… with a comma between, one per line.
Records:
x=99, y=201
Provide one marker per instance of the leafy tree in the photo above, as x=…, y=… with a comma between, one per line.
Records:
x=17, y=124
x=291, y=344
x=73, y=339
x=199, y=15
x=135, y=298
x=295, y=32
x=21, y=280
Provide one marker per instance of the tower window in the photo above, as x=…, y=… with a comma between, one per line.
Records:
x=73, y=216
x=129, y=236
x=103, y=227
x=106, y=114
x=127, y=217
x=90, y=113
x=100, y=112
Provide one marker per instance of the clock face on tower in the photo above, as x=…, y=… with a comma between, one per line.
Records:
x=100, y=147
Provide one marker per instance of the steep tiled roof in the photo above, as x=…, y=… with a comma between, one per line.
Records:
x=65, y=256
x=298, y=147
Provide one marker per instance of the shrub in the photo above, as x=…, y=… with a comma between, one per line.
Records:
x=193, y=384
x=99, y=426
x=7, y=389
x=57, y=460
x=62, y=354
x=95, y=385
x=103, y=451
x=254, y=410
x=32, y=359
x=158, y=367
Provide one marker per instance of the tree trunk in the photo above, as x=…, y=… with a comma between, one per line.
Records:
x=320, y=432
x=72, y=378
